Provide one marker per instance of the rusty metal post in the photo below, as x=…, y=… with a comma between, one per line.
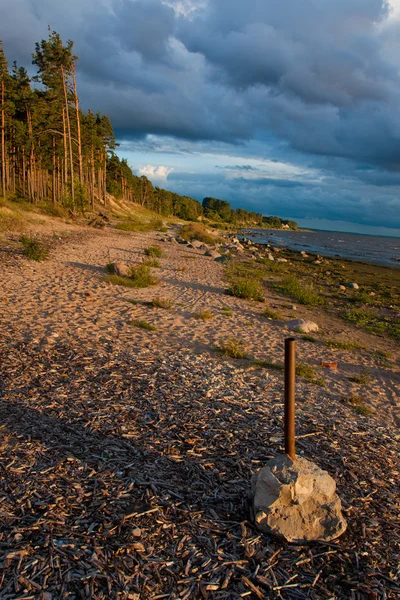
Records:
x=290, y=381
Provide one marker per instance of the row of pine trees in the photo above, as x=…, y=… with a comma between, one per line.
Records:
x=53, y=152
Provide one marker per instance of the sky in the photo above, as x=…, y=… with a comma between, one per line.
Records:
x=290, y=108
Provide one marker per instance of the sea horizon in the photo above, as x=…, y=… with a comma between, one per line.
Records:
x=326, y=225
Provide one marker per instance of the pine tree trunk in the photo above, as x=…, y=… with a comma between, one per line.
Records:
x=78, y=129
x=54, y=198
x=93, y=182
x=3, y=143
x=71, y=158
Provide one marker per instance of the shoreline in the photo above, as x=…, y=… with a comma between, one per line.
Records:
x=309, y=248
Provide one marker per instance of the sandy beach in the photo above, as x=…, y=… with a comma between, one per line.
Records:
x=128, y=452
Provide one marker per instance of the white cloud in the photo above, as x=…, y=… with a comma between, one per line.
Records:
x=153, y=172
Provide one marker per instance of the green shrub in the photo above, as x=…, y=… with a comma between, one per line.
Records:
x=153, y=251
x=232, y=347
x=302, y=292
x=227, y=311
x=249, y=289
x=34, y=249
x=143, y=325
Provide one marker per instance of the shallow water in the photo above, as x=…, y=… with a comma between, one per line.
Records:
x=354, y=246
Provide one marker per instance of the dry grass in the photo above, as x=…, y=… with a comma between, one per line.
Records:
x=162, y=302
x=203, y=315
x=232, y=347
x=143, y=325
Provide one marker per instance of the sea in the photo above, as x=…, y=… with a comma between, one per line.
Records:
x=380, y=250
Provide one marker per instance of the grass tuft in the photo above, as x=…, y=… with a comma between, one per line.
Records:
x=151, y=262
x=309, y=338
x=362, y=378
x=250, y=289
x=265, y=364
x=34, y=249
x=303, y=293
x=227, y=311
x=153, y=251
x=159, y=302
x=143, y=325
x=195, y=231
x=142, y=277
x=308, y=373
x=232, y=347
x=337, y=345
x=358, y=405
x=268, y=313
x=203, y=315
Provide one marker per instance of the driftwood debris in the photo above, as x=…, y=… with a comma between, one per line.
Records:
x=128, y=477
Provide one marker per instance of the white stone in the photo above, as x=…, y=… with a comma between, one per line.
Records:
x=197, y=244
x=297, y=501
x=353, y=286
x=302, y=325
x=212, y=253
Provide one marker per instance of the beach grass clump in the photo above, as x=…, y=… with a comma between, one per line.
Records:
x=249, y=289
x=357, y=404
x=265, y=364
x=203, y=315
x=232, y=347
x=143, y=325
x=274, y=315
x=154, y=251
x=373, y=322
x=309, y=338
x=307, y=372
x=196, y=231
x=139, y=277
x=247, y=270
x=151, y=262
x=136, y=223
x=162, y=302
x=118, y=280
x=361, y=378
x=227, y=311
x=142, y=277
x=338, y=345
x=302, y=292
x=34, y=249
x=132, y=225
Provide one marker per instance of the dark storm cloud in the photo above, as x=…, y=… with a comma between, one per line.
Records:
x=270, y=181
x=320, y=78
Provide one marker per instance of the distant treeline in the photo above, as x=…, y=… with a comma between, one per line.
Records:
x=221, y=210
x=53, y=152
